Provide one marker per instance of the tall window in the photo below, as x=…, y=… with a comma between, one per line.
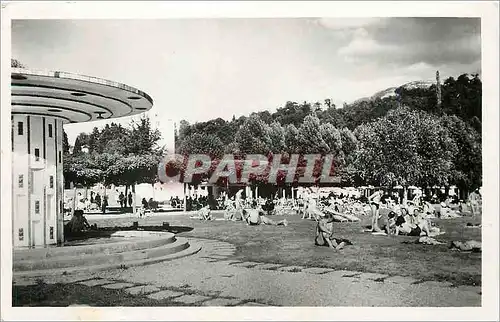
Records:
x=51, y=182
x=20, y=128
x=37, y=207
x=50, y=130
x=37, y=154
x=20, y=180
x=60, y=156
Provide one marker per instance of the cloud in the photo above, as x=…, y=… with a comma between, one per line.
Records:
x=344, y=24
x=409, y=41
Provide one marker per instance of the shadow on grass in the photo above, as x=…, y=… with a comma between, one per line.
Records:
x=62, y=295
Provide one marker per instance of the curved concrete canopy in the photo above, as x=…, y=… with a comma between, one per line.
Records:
x=74, y=98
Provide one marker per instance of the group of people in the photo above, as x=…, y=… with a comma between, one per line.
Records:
x=251, y=211
x=95, y=202
x=123, y=201
x=412, y=217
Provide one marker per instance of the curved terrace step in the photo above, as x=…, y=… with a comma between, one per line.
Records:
x=126, y=244
x=191, y=249
x=101, y=259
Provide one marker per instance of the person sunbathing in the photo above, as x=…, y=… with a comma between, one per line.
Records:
x=446, y=212
x=467, y=246
x=416, y=225
x=404, y=226
x=255, y=217
x=324, y=235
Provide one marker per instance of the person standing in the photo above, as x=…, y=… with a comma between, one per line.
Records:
x=130, y=199
x=474, y=201
x=104, y=204
x=121, y=199
x=97, y=200
x=374, y=201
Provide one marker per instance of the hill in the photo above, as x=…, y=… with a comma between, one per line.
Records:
x=391, y=91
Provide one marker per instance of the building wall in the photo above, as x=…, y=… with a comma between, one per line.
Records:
x=37, y=180
x=166, y=128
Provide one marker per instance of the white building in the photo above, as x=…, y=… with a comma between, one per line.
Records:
x=42, y=102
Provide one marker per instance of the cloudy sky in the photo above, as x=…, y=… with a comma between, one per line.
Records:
x=198, y=69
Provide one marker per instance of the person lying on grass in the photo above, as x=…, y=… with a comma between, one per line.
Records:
x=466, y=246
x=446, y=212
x=255, y=216
x=324, y=235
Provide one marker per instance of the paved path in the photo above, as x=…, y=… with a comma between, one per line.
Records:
x=212, y=278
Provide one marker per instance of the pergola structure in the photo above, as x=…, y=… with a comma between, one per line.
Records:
x=42, y=102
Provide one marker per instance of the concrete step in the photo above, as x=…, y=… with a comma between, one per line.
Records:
x=123, y=244
x=101, y=259
x=192, y=249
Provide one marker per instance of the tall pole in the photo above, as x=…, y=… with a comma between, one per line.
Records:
x=438, y=89
x=185, y=199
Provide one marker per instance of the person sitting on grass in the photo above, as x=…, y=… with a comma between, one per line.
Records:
x=203, y=214
x=255, y=216
x=416, y=225
x=78, y=223
x=324, y=235
x=231, y=213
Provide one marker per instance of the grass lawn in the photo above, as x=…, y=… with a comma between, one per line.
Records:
x=294, y=245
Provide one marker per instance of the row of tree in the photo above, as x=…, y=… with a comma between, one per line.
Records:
x=460, y=97
x=114, y=155
x=402, y=140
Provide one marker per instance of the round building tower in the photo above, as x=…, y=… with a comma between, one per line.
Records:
x=42, y=102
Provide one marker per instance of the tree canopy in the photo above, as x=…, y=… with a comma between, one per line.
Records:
x=115, y=155
x=402, y=139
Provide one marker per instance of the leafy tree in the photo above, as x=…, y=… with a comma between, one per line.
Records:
x=334, y=116
x=468, y=159
x=311, y=138
x=277, y=136
x=198, y=143
x=184, y=129
x=143, y=139
x=253, y=137
x=80, y=142
x=116, y=156
x=292, y=113
x=16, y=63
x=332, y=137
x=292, y=139
x=83, y=169
x=65, y=143
x=405, y=147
